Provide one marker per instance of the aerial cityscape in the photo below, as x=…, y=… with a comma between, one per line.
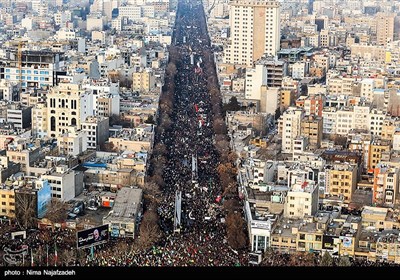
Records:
x=203, y=133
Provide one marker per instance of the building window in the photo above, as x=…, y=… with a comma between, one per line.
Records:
x=261, y=243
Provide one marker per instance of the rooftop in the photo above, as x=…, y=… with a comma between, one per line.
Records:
x=126, y=205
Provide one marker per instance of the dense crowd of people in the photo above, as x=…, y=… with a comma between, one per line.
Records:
x=201, y=240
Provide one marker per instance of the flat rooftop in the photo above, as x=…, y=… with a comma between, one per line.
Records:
x=126, y=205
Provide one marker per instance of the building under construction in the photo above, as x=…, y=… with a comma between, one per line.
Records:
x=31, y=69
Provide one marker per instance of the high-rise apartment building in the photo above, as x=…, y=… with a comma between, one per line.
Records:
x=255, y=30
x=290, y=127
x=384, y=28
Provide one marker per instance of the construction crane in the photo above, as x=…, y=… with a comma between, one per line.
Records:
x=19, y=56
x=19, y=44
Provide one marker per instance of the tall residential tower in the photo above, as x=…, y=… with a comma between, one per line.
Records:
x=255, y=30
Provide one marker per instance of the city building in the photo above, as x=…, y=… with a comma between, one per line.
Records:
x=23, y=154
x=7, y=168
x=7, y=200
x=125, y=216
x=311, y=127
x=73, y=142
x=97, y=131
x=385, y=28
x=246, y=19
x=290, y=127
x=67, y=105
x=386, y=184
x=38, y=68
x=65, y=183
x=301, y=200
x=20, y=116
x=342, y=180
x=143, y=80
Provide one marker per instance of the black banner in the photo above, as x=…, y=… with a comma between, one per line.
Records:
x=92, y=237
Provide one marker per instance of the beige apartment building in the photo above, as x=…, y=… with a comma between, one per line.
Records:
x=384, y=28
x=7, y=201
x=288, y=97
x=39, y=120
x=378, y=149
x=311, y=127
x=301, y=200
x=255, y=31
x=143, y=81
x=342, y=180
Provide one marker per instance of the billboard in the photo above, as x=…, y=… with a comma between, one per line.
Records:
x=92, y=237
x=347, y=242
x=43, y=199
x=114, y=231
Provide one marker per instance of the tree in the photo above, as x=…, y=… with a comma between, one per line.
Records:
x=108, y=147
x=301, y=259
x=232, y=157
x=227, y=168
x=230, y=191
x=66, y=256
x=231, y=205
x=222, y=146
x=149, y=231
x=160, y=149
x=344, y=261
x=151, y=191
x=159, y=162
x=166, y=121
x=123, y=80
x=171, y=69
x=340, y=140
x=232, y=105
x=327, y=259
x=119, y=120
x=235, y=226
x=25, y=206
x=158, y=179
x=57, y=211
x=219, y=126
x=150, y=120
x=214, y=92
